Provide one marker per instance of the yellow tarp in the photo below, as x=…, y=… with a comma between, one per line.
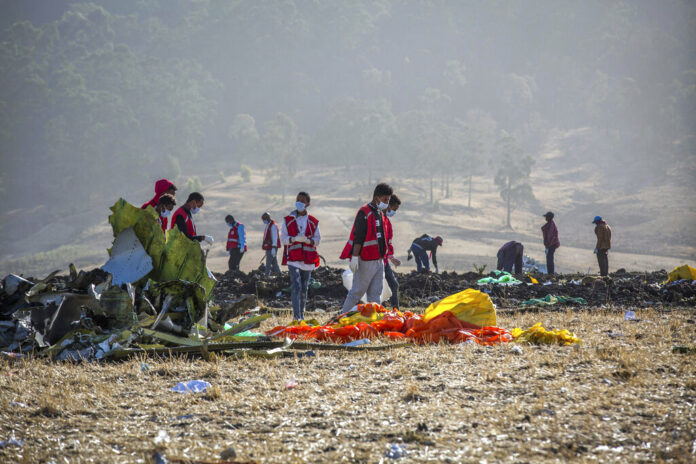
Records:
x=173, y=257
x=682, y=272
x=538, y=335
x=470, y=306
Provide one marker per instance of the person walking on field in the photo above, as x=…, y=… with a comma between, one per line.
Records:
x=366, y=249
x=551, y=242
x=236, y=242
x=183, y=218
x=603, y=233
x=300, y=237
x=389, y=259
x=271, y=243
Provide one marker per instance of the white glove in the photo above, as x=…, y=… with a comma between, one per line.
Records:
x=353, y=265
x=595, y=251
x=274, y=251
x=395, y=261
x=229, y=252
x=301, y=239
x=546, y=251
x=209, y=239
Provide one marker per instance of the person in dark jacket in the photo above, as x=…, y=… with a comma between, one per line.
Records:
x=551, y=242
x=510, y=254
x=420, y=248
x=603, y=233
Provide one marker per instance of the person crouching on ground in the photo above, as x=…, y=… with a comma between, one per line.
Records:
x=183, y=218
x=271, y=243
x=366, y=249
x=300, y=237
x=236, y=242
x=420, y=248
x=164, y=208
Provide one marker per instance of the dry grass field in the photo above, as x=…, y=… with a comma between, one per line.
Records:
x=621, y=396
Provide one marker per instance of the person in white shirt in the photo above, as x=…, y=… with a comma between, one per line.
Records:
x=300, y=237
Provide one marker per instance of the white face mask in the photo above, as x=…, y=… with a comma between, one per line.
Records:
x=166, y=213
x=382, y=206
x=266, y=222
x=229, y=225
x=195, y=210
x=390, y=213
x=300, y=206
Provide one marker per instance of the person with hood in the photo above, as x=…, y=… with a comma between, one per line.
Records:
x=300, y=237
x=420, y=248
x=271, y=244
x=551, y=242
x=164, y=208
x=183, y=218
x=162, y=186
x=236, y=242
x=603, y=233
x=510, y=254
x=366, y=248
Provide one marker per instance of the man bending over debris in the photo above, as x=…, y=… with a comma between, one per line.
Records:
x=164, y=208
x=300, y=235
x=162, y=186
x=510, y=254
x=366, y=249
x=603, y=233
x=420, y=248
x=183, y=218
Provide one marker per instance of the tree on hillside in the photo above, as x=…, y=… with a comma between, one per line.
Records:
x=512, y=174
x=282, y=145
x=245, y=137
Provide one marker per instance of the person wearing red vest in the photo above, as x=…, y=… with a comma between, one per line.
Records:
x=389, y=259
x=236, y=242
x=162, y=186
x=183, y=218
x=164, y=208
x=300, y=237
x=366, y=249
x=271, y=243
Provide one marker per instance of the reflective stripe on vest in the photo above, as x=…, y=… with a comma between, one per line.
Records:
x=370, y=247
x=297, y=251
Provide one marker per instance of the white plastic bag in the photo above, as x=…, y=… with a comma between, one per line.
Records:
x=348, y=283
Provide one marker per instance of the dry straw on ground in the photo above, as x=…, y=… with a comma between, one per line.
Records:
x=622, y=396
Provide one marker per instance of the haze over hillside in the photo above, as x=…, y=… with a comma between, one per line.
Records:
x=583, y=108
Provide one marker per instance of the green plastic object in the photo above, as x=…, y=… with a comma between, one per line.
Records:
x=549, y=300
x=505, y=278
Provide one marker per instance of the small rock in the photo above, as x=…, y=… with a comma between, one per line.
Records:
x=228, y=453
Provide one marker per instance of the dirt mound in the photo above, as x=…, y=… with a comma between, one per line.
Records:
x=419, y=289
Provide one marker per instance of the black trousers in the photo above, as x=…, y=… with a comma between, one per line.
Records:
x=603, y=261
x=550, y=266
x=393, y=285
x=235, y=257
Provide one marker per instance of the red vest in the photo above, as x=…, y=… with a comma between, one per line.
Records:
x=298, y=251
x=233, y=237
x=163, y=222
x=190, y=226
x=389, y=233
x=267, y=244
x=370, y=248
